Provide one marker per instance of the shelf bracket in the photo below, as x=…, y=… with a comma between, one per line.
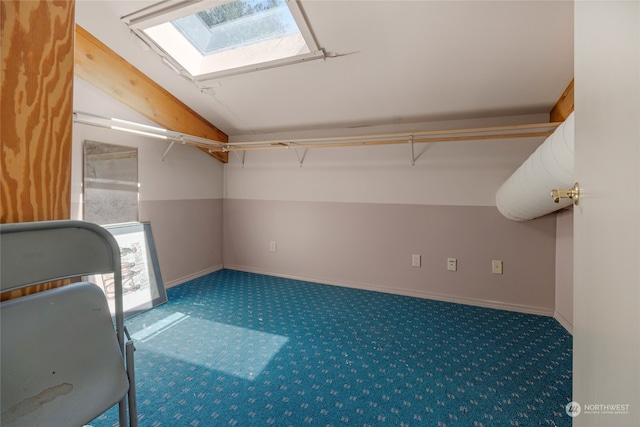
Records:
x=413, y=156
x=301, y=159
x=167, y=150
x=244, y=153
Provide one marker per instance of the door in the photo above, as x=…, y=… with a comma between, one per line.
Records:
x=606, y=377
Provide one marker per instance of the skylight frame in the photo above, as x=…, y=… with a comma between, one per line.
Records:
x=167, y=11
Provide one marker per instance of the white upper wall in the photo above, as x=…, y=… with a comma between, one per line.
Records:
x=452, y=173
x=448, y=173
x=186, y=173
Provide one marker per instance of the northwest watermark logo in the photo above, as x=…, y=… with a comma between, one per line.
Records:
x=573, y=409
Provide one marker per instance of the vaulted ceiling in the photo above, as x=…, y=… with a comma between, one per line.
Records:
x=395, y=62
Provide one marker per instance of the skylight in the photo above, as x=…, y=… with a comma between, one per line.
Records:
x=223, y=38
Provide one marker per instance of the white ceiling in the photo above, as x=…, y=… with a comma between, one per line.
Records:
x=409, y=61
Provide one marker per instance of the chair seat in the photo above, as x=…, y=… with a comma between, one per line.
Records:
x=63, y=366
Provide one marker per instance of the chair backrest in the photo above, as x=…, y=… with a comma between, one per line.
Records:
x=38, y=252
x=59, y=347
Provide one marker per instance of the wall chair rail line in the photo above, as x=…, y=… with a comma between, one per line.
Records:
x=62, y=362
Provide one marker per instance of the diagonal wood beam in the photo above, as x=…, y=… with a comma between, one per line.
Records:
x=564, y=106
x=102, y=67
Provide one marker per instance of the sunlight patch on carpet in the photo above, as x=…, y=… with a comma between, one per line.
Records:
x=234, y=350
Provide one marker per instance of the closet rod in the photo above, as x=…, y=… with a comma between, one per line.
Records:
x=281, y=146
x=531, y=130
x=405, y=135
x=91, y=119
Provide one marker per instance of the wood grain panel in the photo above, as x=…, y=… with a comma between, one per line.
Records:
x=564, y=106
x=36, y=96
x=102, y=67
x=33, y=289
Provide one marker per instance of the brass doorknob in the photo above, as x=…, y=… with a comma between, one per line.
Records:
x=573, y=194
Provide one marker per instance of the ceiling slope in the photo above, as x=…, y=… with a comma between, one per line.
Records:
x=395, y=62
x=103, y=68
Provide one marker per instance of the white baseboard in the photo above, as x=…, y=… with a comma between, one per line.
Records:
x=427, y=295
x=195, y=275
x=564, y=322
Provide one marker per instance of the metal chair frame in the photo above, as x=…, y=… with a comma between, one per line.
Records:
x=39, y=252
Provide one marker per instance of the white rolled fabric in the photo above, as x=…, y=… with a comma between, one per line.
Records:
x=527, y=193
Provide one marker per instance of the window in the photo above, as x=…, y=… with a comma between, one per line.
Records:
x=110, y=185
x=213, y=39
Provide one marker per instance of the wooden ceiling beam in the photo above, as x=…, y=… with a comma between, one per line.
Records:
x=102, y=67
x=564, y=106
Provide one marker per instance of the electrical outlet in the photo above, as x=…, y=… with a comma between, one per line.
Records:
x=272, y=246
x=496, y=266
x=416, y=260
x=452, y=264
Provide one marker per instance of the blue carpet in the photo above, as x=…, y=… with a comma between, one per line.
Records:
x=234, y=348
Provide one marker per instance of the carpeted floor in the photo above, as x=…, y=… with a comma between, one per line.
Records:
x=235, y=348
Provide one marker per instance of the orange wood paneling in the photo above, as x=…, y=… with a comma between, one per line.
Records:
x=564, y=106
x=36, y=106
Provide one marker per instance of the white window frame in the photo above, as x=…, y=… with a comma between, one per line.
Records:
x=168, y=10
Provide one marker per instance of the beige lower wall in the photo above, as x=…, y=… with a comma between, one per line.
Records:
x=370, y=246
x=188, y=236
x=564, y=269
